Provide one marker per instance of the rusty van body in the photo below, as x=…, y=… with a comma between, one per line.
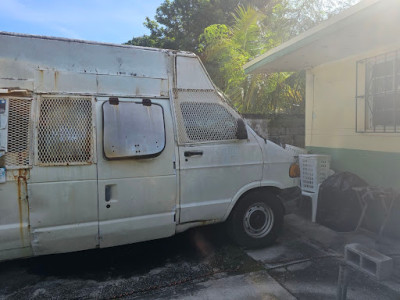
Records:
x=104, y=145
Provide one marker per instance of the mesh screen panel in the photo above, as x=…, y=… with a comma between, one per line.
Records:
x=202, y=115
x=208, y=122
x=65, y=134
x=19, y=134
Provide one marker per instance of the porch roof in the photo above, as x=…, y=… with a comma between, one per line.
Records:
x=365, y=26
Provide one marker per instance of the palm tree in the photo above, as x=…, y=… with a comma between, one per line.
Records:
x=226, y=49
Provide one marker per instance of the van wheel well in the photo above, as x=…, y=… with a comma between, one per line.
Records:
x=262, y=190
x=257, y=218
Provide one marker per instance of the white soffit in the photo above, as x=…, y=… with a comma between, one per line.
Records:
x=365, y=26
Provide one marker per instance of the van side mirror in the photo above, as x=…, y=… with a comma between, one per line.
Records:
x=241, y=133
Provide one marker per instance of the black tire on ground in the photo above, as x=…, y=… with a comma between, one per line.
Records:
x=256, y=220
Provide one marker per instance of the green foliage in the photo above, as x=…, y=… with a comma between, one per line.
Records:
x=292, y=17
x=228, y=33
x=179, y=23
x=224, y=51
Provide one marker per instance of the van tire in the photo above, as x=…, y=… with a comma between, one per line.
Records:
x=256, y=220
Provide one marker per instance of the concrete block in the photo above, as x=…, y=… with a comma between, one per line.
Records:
x=369, y=261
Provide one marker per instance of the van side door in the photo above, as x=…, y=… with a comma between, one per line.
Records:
x=137, y=182
x=62, y=187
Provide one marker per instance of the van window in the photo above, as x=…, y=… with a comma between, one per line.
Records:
x=131, y=129
x=65, y=133
x=208, y=121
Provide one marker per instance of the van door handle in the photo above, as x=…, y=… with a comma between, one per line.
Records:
x=108, y=193
x=193, y=153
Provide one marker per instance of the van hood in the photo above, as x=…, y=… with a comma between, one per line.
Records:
x=274, y=153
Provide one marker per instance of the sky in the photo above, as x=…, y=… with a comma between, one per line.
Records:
x=113, y=21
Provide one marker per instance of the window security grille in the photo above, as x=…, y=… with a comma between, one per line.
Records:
x=65, y=131
x=203, y=116
x=378, y=94
x=18, y=155
x=208, y=122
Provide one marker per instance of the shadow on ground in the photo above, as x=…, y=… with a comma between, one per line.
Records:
x=184, y=259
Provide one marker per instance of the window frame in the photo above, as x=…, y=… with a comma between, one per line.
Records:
x=145, y=156
x=366, y=94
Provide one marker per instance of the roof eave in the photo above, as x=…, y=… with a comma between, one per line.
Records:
x=325, y=28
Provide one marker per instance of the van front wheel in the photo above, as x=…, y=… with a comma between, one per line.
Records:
x=256, y=220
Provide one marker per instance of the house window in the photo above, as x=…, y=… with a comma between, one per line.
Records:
x=132, y=129
x=378, y=95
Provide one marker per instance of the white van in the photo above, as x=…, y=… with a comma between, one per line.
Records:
x=104, y=145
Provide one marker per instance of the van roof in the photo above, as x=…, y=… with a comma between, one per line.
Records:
x=43, y=37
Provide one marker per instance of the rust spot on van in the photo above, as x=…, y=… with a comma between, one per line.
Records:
x=208, y=222
x=162, y=93
x=22, y=190
x=56, y=80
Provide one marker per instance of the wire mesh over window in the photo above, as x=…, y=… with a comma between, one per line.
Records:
x=65, y=133
x=203, y=116
x=208, y=122
x=18, y=155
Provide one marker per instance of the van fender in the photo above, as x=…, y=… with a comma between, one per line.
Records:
x=247, y=188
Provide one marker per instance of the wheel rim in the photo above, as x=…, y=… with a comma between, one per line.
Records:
x=258, y=220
